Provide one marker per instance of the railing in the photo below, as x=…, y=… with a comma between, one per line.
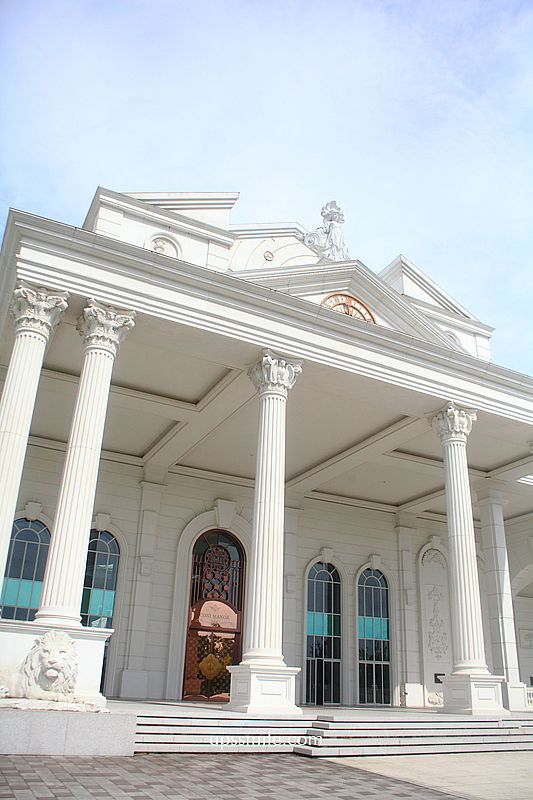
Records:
x=529, y=690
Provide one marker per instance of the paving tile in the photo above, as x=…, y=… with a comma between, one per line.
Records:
x=180, y=776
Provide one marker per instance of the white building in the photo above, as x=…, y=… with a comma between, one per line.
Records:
x=256, y=459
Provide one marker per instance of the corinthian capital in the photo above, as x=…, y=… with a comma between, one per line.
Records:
x=37, y=309
x=274, y=373
x=453, y=422
x=105, y=326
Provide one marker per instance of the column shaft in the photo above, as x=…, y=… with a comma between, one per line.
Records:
x=36, y=312
x=264, y=629
x=103, y=329
x=467, y=625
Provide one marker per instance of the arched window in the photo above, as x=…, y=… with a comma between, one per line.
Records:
x=323, y=667
x=100, y=583
x=373, y=635
x=26, y=560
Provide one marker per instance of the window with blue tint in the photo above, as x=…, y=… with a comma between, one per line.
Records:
x=100, y=584
x=323, y=664
x=26, y=561
x=373, y=633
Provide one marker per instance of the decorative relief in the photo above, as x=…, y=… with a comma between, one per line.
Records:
x=328, y=239
x=526, y=639
x=433, y=556
x=453, y=422
x=350, y=305
x=437, y=636
x=274, y=373
x=38, y=310
x=164, y=246
x=104, y=326
x=49, y=671
x=435, y=699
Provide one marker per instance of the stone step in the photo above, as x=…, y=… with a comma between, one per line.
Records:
x=343, y=733
x=413, y=749
x=248, y=722
x=207, y=748
x=202, y=735
x=430, y=725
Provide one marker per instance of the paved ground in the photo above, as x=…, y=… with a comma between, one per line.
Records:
x=483, y=776
x=220, y=777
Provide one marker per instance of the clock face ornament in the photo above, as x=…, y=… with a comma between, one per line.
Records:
x=350, y=305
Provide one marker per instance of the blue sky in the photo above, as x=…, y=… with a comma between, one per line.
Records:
x=417, y=117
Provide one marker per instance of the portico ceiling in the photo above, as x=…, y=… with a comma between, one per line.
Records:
x=181, y=399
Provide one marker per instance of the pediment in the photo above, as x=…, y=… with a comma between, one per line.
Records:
x=325, y=283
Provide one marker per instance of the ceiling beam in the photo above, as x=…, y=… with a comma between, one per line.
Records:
x=221, y=402
x=386, y=439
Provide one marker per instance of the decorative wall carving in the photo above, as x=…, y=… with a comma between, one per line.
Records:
x=165, y=246
x=433, y=556
x=435, y=619
x=48, y=672
x=526, y=638
x=437, y=636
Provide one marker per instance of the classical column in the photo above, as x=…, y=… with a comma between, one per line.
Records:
x=490, y=502
x=37, y=312
x=262, y=681
x=470, y=688
x=102, y=328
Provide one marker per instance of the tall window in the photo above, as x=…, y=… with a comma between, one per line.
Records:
x=215, y=616
x=26, y=560
x=373, y=635
x=323, y=675
x=100, y=584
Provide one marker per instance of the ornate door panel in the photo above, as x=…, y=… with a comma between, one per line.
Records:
x=215, y=616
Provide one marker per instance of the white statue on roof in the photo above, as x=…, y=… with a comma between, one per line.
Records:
x=328, y=239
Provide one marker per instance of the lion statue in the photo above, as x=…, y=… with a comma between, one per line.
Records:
x=48, y=672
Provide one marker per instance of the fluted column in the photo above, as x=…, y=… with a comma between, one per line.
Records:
x=262, y=680
x=272, y=377
x=462, y=689
x=36, y=312
x=102, y=328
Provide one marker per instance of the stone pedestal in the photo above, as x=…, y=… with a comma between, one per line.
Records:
x=264, y=690
x=470, y=687
x=24, y=665
x=262, y=683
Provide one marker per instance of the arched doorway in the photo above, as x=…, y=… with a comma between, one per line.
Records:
x=215, y=616
x=373, y=638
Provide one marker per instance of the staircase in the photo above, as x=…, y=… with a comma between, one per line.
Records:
x=336, y=735
x=415, y=736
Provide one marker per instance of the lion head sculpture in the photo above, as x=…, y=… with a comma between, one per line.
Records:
x=50, y=669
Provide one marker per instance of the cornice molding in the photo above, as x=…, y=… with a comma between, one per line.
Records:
x=51, y=253
x=156, y=215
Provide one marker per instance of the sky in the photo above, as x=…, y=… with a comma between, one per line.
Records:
x=417, y=117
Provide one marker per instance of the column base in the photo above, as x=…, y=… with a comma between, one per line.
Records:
x=472, y=694
x=70, y=672
x=515, y=696
x=412, y=695
x=261, y=690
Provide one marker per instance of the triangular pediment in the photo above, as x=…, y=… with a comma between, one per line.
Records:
x=318, y=282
